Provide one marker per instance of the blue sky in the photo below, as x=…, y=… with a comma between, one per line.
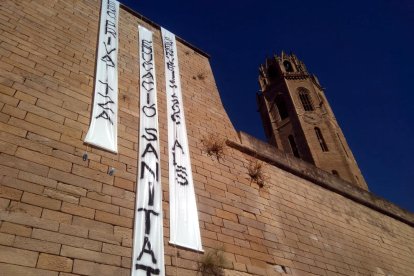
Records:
x=361, y=51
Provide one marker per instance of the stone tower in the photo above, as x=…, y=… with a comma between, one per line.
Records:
x=298, y=120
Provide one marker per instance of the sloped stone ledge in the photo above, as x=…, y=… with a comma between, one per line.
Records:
x=269, y=154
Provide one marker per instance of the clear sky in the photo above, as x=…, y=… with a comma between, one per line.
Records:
x=361, y=51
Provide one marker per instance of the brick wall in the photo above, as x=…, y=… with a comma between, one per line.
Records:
x=60, y=215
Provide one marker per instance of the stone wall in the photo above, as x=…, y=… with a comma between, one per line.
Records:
x=60, y=215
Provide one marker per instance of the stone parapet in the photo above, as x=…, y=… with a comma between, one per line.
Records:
x=268, y=153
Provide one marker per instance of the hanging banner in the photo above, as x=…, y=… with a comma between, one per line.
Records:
x=148, y=247
x=103, y=130
x=184, y=225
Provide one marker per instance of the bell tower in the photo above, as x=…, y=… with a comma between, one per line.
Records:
x=298, y=119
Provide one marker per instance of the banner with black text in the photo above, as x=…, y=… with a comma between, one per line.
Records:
x=148, y=245
x=103, y=130
x=184, y=224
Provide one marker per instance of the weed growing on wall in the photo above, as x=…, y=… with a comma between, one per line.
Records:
x=213, y=146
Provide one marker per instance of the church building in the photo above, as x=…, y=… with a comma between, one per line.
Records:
x=297, y=118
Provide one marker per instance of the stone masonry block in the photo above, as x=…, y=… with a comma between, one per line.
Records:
x=53, y=262
x=18, y=256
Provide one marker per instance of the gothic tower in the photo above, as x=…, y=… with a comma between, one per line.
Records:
x=298, y=120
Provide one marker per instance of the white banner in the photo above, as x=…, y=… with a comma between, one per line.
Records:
x=184, y=226
x=148, y=247
x=103, y=130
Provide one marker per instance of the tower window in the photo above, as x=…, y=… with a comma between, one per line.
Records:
x=293, y=146
x=288, y=66
x=272, y=72
x=305, y=99
x=281, y=107
x=321, y=140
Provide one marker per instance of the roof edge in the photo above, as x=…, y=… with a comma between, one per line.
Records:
x=155, y=25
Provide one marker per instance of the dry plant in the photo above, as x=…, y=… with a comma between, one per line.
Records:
x=256, y=172
x=213, y=146
x=212, y=263
x=201, y=76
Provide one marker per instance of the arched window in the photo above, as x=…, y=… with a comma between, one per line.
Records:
x=335, y=172
x=288, y=66
x=321, y=140
x=305, y=99
x=281, y=107
x=272, y=72
x=293, y=146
